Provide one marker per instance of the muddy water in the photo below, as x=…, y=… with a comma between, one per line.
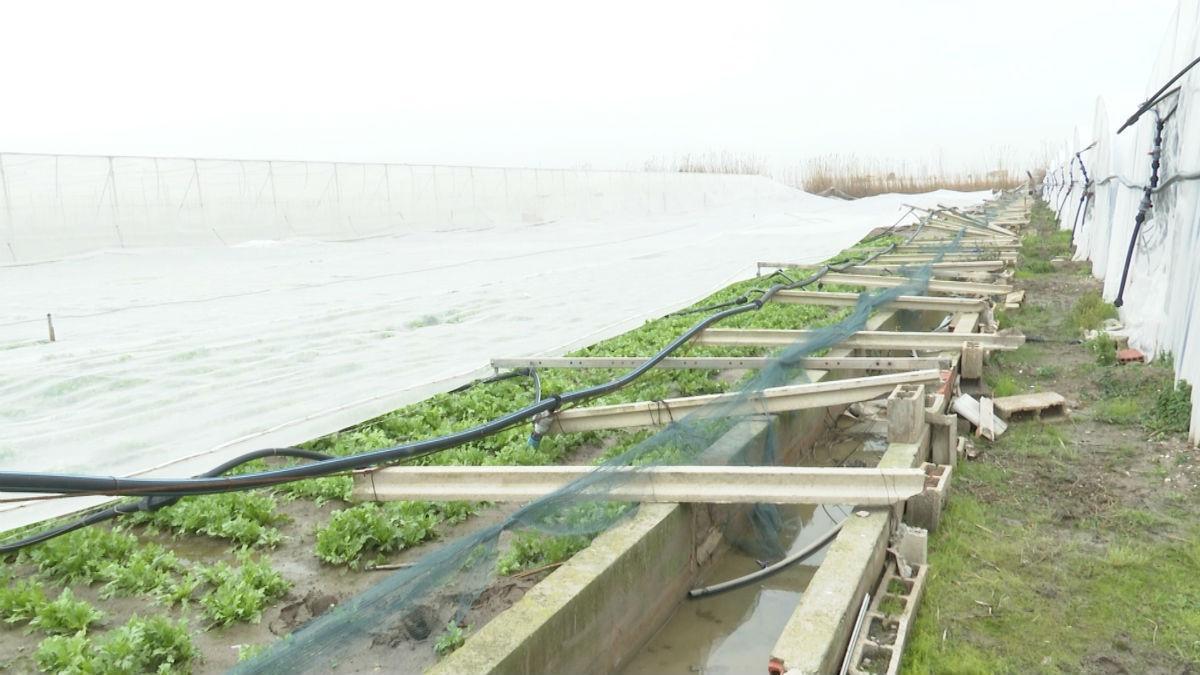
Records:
x=734, y=632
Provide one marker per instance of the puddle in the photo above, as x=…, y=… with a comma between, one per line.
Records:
x=734, y=632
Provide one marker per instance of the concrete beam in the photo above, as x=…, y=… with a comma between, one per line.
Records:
x=934, y=285
x=657, y=484
x=898, y=340
x=771, y=400
x=910, y=302
x=720, y=363
x=952, y=266
x=918, y=258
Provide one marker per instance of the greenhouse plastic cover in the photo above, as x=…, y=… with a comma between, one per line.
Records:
x=1161, y=310
x=187, y=335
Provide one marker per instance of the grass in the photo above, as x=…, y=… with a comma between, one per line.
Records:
x=1064, y=548
x=1044, y=603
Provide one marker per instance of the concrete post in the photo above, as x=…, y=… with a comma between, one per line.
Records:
x=972, y=360
x=906, y=413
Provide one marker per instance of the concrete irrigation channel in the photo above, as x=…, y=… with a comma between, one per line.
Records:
x=621, y=604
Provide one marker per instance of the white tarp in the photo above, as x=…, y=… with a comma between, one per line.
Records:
x=169, y=360
x=1162, y=293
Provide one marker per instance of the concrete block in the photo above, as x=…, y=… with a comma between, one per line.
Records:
x=971, y=364
x=912, y=544
x=906, y=413
x=925, y=509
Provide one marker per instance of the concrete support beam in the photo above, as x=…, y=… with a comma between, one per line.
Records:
x=918, y=258
x=772, y=400
x=898, y=340
x=953, y=266
x=934, y=285
x=658, y=484
x=910, y=302
x=720, y=363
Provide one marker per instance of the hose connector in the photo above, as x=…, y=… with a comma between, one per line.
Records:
x=541, y=426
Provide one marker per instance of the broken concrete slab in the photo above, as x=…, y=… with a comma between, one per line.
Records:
x=969, y=409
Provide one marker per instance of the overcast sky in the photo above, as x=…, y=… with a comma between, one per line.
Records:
x=607, y=84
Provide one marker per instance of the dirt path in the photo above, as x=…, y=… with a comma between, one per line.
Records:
x=1071, y=545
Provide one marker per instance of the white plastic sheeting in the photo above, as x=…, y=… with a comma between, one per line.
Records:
x=56, y=205
x=171, y=359
x=1162, y=293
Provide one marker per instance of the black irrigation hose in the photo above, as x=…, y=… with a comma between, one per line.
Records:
x=69, y=484
x=1144, y=206
x=1157, y=96
x=770, y=570
x=152, y=503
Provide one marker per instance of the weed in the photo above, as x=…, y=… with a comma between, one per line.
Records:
x=1046, y=373
x=66, y=615
x=1091, y=311
x=1104, y=348
x=248, y=652
x=1172, y=411
x=1004, y=385
x=452, y=638
x=891, y=606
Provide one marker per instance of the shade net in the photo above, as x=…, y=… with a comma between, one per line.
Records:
x=442, y=585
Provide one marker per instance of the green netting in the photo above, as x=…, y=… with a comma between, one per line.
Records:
x=442, y=585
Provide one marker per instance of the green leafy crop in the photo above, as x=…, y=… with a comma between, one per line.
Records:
x=80, y=556
x=531, y=549
x=153, y=644
x=66, y=615
x=149, y=569
x=240, y=593
x=22, y=601
x=245, y=518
